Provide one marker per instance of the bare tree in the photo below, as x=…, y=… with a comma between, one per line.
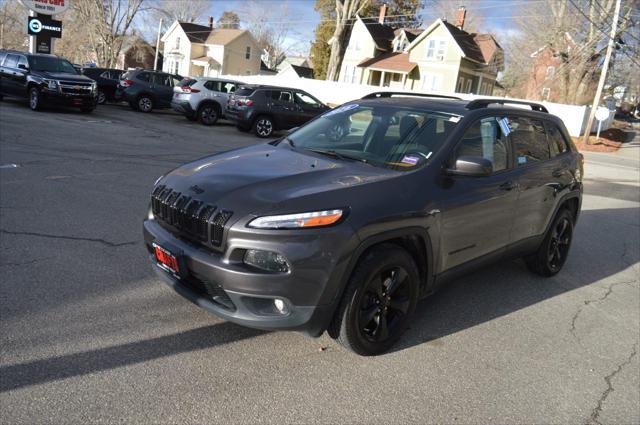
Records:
x=270, y=28
x=110, y=21
x=13, y=34
x=177, y=10
x=228, y=20
x=448, y=10
x=577, y=31
x=346, y=11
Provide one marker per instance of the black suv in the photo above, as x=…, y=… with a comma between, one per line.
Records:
x=266, y=109
x=345, y=223
x=45, y=80
x=107, y=80
x=147, y=90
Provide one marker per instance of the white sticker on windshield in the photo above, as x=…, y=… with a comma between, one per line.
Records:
x=340, y=109
x=504, y=126
x=454, y=119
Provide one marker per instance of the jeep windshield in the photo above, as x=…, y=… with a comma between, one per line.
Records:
x=383, y=136
x=51, y=64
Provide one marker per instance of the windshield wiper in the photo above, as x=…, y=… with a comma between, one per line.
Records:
x=338, y=155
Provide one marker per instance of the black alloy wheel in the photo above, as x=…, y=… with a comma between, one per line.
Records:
x=207, y=114
x=34, y=98
x=378, y=302
x=554, y=250
x=102, y=98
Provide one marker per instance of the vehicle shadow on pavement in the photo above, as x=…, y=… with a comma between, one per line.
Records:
x=605, y=244
x=77, y=364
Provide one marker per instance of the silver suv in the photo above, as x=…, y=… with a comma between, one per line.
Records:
x=203, y=99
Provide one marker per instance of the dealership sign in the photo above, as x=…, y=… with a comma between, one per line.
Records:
x=44, y=26
x=46, y=7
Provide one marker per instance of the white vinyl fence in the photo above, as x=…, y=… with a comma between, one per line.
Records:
x=336, y=93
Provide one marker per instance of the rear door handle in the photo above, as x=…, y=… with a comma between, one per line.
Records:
x=508, y=185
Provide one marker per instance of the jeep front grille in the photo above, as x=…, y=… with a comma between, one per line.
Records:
x=191, y=217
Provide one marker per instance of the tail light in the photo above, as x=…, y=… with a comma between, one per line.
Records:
x=244, y=102
x=188, y=89
x=126, y=83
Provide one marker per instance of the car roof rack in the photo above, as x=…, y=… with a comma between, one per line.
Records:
x=483, y=103
x=381, y=94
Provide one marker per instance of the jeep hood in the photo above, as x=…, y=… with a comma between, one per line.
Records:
x=261, y=178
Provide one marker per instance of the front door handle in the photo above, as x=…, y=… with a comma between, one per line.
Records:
x=508, y=185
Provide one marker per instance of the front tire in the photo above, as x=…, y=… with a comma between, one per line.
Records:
x=145, y=104
x=34, y=99
x=553, y=252
x=263, y=126
x=208, y=114
x=378, y=302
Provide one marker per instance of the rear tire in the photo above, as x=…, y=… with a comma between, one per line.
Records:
x=144, y=104
x=378, y=302
x=208, y=114
x=34, y=99
x=263, y=126
x=553, y=252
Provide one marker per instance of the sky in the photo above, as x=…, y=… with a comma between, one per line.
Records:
x=301, y=19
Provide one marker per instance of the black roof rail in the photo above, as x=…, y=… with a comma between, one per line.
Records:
x=483, y=103
x=380, y=94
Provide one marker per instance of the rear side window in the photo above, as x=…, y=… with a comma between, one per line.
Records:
x=556, y=140
x=244, y=91
x=529, y=140
x=282, y=96
x=212, y=85
x=144, y=76
x=11, y=61
x=485, y=139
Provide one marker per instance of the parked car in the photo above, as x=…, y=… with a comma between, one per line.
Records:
x=203, y=99
x=146, y=90
x=45, y=80
x=344, y=231
x=266, y=109
x=107, y=80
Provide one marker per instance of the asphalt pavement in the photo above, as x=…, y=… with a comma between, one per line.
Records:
x=89, y=335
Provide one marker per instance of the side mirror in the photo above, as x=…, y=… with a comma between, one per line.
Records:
x=23, y=66
x=471, y=166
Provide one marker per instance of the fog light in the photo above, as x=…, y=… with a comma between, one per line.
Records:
x=279, y=305
x=266, y=260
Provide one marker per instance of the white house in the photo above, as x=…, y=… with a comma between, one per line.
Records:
x=199, y=50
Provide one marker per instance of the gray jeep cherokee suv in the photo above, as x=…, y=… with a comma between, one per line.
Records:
x=345, y=223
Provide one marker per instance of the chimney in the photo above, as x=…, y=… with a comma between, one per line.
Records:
x=462, y=13
x=210, y=21
x=383, y=13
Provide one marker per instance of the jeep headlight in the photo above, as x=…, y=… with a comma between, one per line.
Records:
x=296, y=221
x=51, y=84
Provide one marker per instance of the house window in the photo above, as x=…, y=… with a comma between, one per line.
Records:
x=551, y=70
x=139, y=56
x=436, y=49
x=247, y=53
x=431, y=82
x=177, y=46
x=176, y=66
x=460, y=85
x=545, y=93
x=467, y=89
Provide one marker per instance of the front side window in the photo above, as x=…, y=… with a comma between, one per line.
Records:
x=485, y=139
x=389, y=137
x=11, y=61
x=305, y=100
x=529, y=140
x=22, y=60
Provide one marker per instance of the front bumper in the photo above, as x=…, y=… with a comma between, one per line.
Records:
x=55, y=98
x=225, y=287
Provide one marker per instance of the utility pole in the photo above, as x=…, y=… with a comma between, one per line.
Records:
x=155, y=62
x=603, y=74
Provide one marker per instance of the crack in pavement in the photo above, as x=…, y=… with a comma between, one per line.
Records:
x=598, y=409
x=24, y=263
x=73, y=238
x=587, y=302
